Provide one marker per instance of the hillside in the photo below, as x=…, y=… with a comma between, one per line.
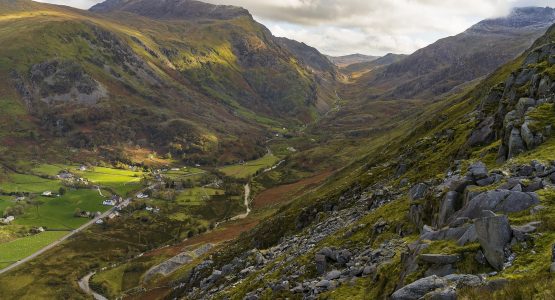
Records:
x=347, y=60
x=449, y=62
x=433, y=216
x=207, y=87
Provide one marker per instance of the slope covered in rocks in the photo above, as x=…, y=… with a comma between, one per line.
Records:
x=438, y=209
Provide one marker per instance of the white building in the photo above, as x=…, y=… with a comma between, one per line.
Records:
x=47, y=194
x=109, y=202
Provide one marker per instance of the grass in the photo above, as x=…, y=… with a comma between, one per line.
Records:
x=120, y=181
x=58, y=212
x=48, y=169
x=18, y=183
x=197, y=195
x=250, y=168
x=5, y=201
x=16, y=250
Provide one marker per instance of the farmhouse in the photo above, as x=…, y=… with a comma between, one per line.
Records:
x=117, y=199
x=7, y=220
x=47, y=194
x=109, y=202
x=65, y=175
x=142, y=196
x=83, y=168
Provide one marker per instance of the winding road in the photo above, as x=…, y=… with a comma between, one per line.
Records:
x=56, y=243
x=72, y=233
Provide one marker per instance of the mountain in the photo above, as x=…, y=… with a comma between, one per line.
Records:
x=172, y=9
x=199, y=81
x=366, y=66
x=449, y=62
x=347, y=60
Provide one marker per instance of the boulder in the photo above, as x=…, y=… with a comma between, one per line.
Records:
x=448, y=293
x=418, y=191
x=321, y=263
x=478, y=170
x=464, y=280
x=484, y=134
x=500, y=201
x=324, y=284
x=494, y=233
x=534, y=186
x=516, y=144
x=523, y=105
x=440, y=270
x=469, y=236
x=335, y=274
x=440, y=259
x=458, y=222
x=486, y=181
x=525, y=171
x=449, y=205
x=419, y=288
x=444, y=234
x=344, y=256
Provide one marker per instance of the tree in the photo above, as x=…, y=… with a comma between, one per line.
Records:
x=62, y=191
x=77, y=212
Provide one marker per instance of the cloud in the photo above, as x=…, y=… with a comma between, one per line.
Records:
x=366, y=26
x=370, y=26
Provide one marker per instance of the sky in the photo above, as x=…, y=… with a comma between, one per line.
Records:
x=372, y=27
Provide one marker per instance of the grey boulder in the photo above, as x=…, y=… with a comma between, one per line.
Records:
x=494, y=233
x=419, y=288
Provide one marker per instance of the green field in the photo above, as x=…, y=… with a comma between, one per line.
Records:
x=16, y=250
x=29, y=183
x=5, y=201
x=250, y=168
x=196, y=196
x=188, y=173
x=49, y=170
x=120, y=181
x=58, y=212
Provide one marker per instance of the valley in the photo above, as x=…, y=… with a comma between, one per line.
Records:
x=179, y=150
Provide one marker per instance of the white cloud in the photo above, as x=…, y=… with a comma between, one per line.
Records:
x=366, y=26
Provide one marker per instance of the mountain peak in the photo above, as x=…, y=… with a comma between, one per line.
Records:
x=172, y=9
x=520, y=17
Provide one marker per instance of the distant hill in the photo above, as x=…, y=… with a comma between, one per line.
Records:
x=366, y=66
x=347, y=60
x=451, y=61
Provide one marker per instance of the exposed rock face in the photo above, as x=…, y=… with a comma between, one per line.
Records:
x=500, y=201
x=172, y=9
x=418, y=191
x=494, y=233
x=450, y=204
x=64, y=81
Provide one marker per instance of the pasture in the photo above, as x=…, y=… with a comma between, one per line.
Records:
x=18, y=249
x=57, y=212
x=248, y=169
x=20, y=183
x=120, y=181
